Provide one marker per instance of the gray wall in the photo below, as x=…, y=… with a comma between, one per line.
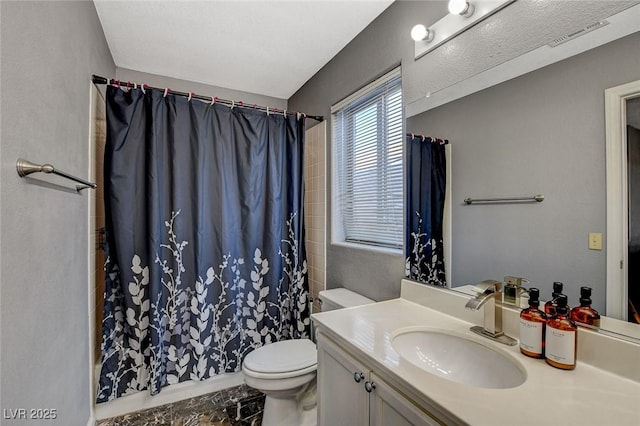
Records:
x=571, y=101
x=383, y=45
x=199, y=88
x=543, y=133
x=49, y=51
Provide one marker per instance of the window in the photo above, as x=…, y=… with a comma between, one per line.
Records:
x=367, y=165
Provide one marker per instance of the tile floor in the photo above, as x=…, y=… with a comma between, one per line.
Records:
x=237, y=406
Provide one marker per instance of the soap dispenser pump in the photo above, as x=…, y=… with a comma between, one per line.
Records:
x=550, y=306
x=533, y=324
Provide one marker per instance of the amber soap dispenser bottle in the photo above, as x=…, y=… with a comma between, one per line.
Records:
x=533, y=323
x=561, y=337
x=550, y=306
x=584, y=313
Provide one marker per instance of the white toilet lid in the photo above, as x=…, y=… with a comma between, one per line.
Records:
x=284, y=356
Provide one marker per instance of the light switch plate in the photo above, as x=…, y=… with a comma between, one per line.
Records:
x=595, y=241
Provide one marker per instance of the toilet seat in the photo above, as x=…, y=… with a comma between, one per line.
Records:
x=276, y=376
x=280, y=360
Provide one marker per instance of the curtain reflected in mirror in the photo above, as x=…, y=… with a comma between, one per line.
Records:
x=426, y=186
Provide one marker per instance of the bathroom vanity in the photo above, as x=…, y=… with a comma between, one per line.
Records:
x=366, y=377
x=353, y=393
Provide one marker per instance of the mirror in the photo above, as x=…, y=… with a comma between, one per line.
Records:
x=540, y=133
x=622, y=109
x=633, y=174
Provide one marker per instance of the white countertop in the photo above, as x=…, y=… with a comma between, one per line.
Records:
x=584, y=396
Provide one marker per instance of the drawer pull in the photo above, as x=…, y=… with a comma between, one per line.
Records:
x=358, y=376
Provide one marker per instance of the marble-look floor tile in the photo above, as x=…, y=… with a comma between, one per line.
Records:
x=249, y=413
x=213, y=409
x=153, y=416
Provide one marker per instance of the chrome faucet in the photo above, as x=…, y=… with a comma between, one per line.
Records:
x=489, y=296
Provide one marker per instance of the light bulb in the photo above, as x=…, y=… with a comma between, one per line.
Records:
x=420, y=32
x=458, y=7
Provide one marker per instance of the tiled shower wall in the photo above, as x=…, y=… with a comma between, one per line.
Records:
x=315, y=209
x=98, y=216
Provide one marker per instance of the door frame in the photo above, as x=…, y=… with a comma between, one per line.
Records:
x=617, y=197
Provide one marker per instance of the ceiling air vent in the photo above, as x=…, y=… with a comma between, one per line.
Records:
x=578, y=33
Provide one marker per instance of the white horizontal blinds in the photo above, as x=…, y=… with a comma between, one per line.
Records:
x=368, y=136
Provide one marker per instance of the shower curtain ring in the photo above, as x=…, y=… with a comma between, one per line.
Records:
x=166, y=91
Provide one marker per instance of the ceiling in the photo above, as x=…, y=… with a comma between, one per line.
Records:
x=266, y=47
x=511, y=43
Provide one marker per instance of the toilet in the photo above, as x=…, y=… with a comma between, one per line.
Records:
x=286, y=371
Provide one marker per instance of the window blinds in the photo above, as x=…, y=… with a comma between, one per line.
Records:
x=368, y=136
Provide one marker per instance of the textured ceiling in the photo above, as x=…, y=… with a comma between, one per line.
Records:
x=272, y=47
x=521, y=27
x=266, y=47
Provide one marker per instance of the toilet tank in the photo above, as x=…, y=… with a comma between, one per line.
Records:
x=338, y=298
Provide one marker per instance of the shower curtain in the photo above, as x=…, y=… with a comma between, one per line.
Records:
x=206, y=258
x=425, y=194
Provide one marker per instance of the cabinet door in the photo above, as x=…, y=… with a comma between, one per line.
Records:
x=342, y=400
x=388, y=407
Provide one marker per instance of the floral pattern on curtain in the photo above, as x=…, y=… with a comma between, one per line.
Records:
x=206, y=259
x=425, y=195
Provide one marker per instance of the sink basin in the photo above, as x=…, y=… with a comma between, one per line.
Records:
x=458, y=358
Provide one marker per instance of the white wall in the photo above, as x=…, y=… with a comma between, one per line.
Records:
x=49, y=51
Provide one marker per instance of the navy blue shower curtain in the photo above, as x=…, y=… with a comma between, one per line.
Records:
x=425, y=193
x=206, y=258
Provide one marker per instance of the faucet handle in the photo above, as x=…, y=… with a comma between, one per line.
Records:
x=488, y=286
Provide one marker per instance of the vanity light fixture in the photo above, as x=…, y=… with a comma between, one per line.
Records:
x=463, y=16
x=421, y=33
x=461, y=7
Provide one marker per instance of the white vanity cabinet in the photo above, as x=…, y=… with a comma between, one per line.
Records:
x=350, y=394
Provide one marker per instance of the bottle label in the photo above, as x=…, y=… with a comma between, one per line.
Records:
x=531, y=336
x=561, y=346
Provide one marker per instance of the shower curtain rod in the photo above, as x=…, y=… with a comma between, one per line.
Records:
x=96, y=79
x=429, y=139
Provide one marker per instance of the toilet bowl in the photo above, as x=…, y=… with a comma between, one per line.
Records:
x=286, y=371
x=282, y=371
